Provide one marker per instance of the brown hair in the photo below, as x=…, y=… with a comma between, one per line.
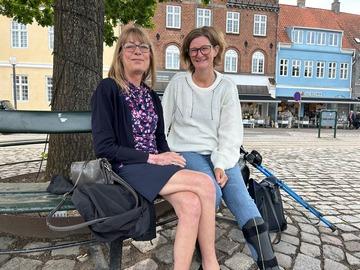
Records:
x=117, y=71
x=215, y=37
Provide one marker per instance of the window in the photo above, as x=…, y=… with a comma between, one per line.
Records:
x=19, y=35
x=258, y=63
x=232, y=22
x=332, y=70
x=297, y=36
x=231, y=61
x=260, y=25
x=51, y=37
x=344, y=70
x=172, y=60
x=173, y=17
x=295, y=69
x=321, y=38
x=333, y=39
x=320, y=68
x=310, y=37
x=203, y=17
x=49, y=88
x=22, y=87
x=308, y=69
x=283, y=67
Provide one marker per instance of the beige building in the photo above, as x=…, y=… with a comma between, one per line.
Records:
x=29, y=49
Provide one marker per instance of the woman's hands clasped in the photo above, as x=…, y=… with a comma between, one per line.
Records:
x=167, y=158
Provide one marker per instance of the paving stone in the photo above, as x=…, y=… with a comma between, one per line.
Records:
x=310, y=238
x=169, y=233
x=146, y=246
x=284, y=260
x=290, y=239
x=236, y=235
x=147, y=264
x=285, y=248
x=332, y=265
x=292, y=230
x=331, y=239
x=352, y=259
x=309, y=249
x=63, y=264
x=304, y=262
x=4, y=258
x=346, y=228
x=239, y=261
x=219, y=233
x=333, y=253
x=21, y=263
x=35, y=245
x=352, y=245
x=165, y=254
x=70, y=251
x=227, y=246
x=308, y=228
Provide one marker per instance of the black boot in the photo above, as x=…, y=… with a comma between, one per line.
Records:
x=256, y=234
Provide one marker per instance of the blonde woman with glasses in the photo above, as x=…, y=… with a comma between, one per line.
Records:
x=128, y=130
x=202, y=111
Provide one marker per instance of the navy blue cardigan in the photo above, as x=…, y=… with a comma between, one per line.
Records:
x=111, y=122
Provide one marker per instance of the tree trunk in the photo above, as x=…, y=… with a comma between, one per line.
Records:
x=78, y=64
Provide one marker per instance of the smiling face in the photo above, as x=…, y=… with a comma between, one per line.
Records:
x=135, y=57
x=202, y=53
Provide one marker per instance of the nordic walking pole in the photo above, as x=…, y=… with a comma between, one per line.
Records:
x=255, y=159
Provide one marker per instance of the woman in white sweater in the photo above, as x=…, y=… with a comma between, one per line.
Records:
x=203, y=116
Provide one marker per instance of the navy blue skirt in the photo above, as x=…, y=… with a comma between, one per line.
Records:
x=147, y=179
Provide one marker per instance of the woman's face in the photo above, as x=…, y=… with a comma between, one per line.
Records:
x=202, y=53
x=135, y=57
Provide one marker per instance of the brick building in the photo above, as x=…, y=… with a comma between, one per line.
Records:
x=250, y=29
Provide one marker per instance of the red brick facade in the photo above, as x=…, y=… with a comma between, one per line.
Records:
x=244, y=43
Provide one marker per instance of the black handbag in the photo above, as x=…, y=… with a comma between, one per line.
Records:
x=82, y=173
x=267, y=197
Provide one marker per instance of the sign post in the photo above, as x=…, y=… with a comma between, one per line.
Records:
x=297, y=97
x=328, y=119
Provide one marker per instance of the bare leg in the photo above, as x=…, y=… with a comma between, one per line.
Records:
x=201, y=185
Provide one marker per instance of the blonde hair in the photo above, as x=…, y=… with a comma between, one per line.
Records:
x=215, y=37
x=117, y=70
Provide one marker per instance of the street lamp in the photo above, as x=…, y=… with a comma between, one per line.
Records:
x=12, y=61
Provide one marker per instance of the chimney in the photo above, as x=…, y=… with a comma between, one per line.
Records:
x=301, y=3
x=335, y=6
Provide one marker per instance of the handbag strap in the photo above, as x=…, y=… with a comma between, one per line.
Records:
x=275, y=216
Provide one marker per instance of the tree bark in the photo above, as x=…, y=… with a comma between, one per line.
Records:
x=77, y=69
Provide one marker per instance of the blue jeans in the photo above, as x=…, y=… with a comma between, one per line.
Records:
x=234, y=193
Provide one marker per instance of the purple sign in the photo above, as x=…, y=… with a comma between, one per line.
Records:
x=297, y=96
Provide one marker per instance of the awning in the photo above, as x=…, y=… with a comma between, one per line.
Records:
x=321, y=100
x=258, y=98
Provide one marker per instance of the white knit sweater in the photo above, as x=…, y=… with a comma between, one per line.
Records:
x=204, y=120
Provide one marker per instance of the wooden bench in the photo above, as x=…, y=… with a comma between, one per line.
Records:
x=17, y=200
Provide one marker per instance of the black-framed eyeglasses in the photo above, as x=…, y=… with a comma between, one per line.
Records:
x=205, y=50
x=131, y=47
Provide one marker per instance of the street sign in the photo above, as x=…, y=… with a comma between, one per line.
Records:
x=297, y=96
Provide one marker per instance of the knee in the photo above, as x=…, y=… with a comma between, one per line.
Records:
x=189, y=207
x=207, y=186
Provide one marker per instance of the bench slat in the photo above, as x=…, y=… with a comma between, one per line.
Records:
x=45, y=122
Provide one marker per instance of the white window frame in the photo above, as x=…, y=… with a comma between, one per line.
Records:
x=283, y=67
x=232, y=22
x=231, y=61
x=22, y=87
x=333, y=39
x=321, y=38
x=310, y=37
x=173, y=16
x=297, y=36
x=332, y=70
x=295, y=68
x=258, y=63
x=203, y=17
x=320, y=69
x=51, y=37
x=19, y=35
x=172, y=57
x=260, y=22
x=344, y=71
x=48, y=88
x=308, y=68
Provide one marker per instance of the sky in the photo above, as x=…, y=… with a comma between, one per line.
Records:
x=349, y=6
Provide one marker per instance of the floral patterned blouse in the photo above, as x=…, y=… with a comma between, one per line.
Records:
x=144, y=117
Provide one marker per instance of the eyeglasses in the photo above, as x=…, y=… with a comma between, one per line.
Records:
x=205, y=50
x=131, y=47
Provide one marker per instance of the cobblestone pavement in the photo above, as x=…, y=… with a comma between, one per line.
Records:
x=324, y=171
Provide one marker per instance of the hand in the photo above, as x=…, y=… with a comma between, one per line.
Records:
x=167, y=158
x=221, y=177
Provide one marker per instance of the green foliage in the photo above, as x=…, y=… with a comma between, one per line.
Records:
x=116, y=11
